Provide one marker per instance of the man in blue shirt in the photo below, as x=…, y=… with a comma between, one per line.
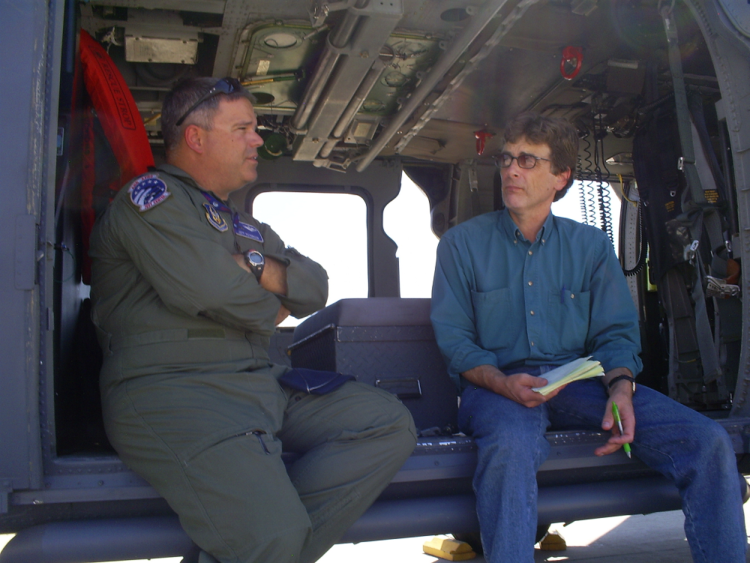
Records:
x=520, y=291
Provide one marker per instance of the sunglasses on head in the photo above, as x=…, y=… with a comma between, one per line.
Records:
x=224, y=86
x=527, y=161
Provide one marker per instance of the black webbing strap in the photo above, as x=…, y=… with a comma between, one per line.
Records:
x=700, y=196
x=697, y=202
x=683, y=115
x=683, y=345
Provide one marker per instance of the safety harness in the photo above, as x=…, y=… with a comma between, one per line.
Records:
x=683, y=211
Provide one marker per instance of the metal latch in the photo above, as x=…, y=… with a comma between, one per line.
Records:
x=682, y=161
x=690, y=251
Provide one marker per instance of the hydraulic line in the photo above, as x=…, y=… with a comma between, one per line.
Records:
x=337, y=40
x=455, y=50
x=351, y=110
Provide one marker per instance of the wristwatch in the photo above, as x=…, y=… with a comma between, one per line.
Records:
x=620, y=377
x=256, y=262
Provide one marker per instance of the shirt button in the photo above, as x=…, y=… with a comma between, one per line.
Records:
x=531, y=283
x=530, y=253
x=572, y=296
x=532, y=312
x=532, y=343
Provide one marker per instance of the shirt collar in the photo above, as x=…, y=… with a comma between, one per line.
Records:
x=173, y=170
x=508, y=226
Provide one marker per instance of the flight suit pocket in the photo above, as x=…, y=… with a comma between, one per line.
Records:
x=256, y=440
x=493, y=316
x=568, y=314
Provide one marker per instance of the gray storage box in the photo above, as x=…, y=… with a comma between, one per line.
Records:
x=387, y=342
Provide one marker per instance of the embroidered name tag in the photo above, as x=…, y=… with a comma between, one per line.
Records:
x=148, y=191
x=246, y=230
x=216, y=220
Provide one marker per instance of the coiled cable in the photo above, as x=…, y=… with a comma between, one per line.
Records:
x=605, y=203
x=583, y=136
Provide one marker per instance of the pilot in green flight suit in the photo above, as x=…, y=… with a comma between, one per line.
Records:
x=187, y=291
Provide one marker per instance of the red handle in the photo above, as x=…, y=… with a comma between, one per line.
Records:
x=482, y=137
x=571, y=55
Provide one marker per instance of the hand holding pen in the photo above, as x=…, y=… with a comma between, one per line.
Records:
x=618, y=421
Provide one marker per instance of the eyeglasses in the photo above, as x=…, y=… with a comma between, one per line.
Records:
x=527, y=161
x=224, y=86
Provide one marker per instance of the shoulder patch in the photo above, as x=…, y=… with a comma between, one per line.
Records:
x=148, y=191
x=214, y=218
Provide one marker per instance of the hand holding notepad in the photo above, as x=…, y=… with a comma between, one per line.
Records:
x=582, y=368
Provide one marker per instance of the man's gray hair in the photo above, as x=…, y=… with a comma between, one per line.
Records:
x=181, y=98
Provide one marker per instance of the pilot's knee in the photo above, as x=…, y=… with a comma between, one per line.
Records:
x=405, y=430
x=396, y=426
x=282, y=548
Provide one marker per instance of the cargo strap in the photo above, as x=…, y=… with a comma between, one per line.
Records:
x=698, y=194
x=698, y=206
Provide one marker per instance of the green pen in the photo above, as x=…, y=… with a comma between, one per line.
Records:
x=618, y=420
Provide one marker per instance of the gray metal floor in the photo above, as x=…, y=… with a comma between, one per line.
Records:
x=656, y=538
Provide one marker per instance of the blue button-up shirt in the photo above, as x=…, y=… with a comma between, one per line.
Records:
x=502, y=300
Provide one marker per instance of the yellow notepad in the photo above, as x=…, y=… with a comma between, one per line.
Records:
x=582, y=368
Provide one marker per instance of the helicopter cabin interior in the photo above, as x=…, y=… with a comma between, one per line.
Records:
x=353, y=96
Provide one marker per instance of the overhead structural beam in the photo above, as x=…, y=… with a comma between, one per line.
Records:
x=347, y=70
x=351, y=110
x=507, y=24
x=473, y=28
x=337, y=40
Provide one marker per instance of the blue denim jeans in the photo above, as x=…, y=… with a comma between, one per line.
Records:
x=688, y=448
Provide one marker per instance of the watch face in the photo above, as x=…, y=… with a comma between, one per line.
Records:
x=255, y=258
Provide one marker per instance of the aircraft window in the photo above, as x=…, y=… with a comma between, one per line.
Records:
x=329, y=228
x=407, y=221
x=570, y=206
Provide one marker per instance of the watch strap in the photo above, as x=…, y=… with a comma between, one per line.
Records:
x=619, y=378
x=255, y=267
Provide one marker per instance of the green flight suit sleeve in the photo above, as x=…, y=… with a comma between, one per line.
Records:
x=307, y=281
x=184, y=261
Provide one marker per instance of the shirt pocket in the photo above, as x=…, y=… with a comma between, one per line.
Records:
x=493, y=316
x=568, y=321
